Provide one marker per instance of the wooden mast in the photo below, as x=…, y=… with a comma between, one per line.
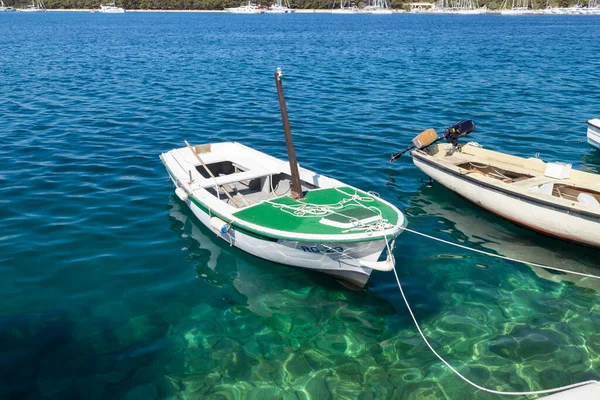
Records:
x=296, y=187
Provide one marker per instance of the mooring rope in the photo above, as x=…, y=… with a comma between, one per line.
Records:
x=317, y=210
x=498, y=255
x=547, y=391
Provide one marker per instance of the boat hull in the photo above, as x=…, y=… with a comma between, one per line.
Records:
x=340, y=260
x=593, y=133
x=335, y=228
x=545, y=219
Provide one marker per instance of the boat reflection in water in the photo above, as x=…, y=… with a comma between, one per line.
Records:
x=263, y=283
x=472, y=227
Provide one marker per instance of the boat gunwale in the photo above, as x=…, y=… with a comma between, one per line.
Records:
x=256, y=231
x=426, y=159
x=595, y=122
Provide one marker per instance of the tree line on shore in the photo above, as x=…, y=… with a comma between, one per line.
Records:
x=220, y=4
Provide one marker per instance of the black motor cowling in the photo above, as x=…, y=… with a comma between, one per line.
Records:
x=458, y=130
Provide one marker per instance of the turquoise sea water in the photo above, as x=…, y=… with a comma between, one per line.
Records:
x=111, y=289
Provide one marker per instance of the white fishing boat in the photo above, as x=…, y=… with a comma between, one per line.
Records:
x=111, y=8
x=551, y=198
x=4, y=8
x=349, y=8
x=593, y=132
x=280, y=8
x=280, y=212
x=247, y=9
x=377, y=7
x=36, y=6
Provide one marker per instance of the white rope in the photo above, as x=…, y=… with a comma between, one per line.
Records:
x=558, y=389
x=500, y=256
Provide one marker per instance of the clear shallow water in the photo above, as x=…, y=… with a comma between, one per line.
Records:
x=111, y=289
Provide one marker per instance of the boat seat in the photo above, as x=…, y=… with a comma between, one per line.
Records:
x=545, y=188
x=236, y=177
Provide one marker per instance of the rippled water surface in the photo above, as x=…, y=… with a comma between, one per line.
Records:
x=111, y=289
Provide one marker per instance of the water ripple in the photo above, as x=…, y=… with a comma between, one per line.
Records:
x=101, y=265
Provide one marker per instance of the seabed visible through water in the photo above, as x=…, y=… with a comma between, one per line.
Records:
x=111, y=289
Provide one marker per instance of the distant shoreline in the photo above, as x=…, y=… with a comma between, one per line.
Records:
x=297, y=11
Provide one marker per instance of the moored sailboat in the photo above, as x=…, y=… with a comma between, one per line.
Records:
x=377, y=7
x=249, y=8
x=36, y=6
x=280, y=8
x=4, y=8
x=519, y=7
x=349, y=8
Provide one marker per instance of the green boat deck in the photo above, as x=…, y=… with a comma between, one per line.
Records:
x=322, y=212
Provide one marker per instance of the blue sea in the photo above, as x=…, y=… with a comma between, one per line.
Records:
x=112, y=289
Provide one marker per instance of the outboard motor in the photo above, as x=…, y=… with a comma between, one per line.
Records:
x=458, y=130
x=429, y=137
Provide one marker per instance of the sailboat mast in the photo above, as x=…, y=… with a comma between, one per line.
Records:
x=296, y=187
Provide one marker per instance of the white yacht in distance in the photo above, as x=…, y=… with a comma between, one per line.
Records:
x=247, y=9
x=280, y=8
x=35, y=6
x=377, y=7
x=3, y=8
x=349, y=9
x=111, y=8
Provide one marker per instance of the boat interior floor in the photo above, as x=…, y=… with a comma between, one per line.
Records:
x=531, y=181
x=253, y=191
x=496, y=172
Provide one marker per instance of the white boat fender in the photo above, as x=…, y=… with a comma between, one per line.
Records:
x=219, y=224
x=386, y=265
x=586, y=198
x=183, y=196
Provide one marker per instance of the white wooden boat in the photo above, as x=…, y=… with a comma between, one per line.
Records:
x=111, y=9
x=551, y=198
x=277, y=211
x=336, y=228
x=247, y=9
x=593, y=132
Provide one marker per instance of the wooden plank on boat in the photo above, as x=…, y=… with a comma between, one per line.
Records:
x=210, y=173
x=591, y=391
